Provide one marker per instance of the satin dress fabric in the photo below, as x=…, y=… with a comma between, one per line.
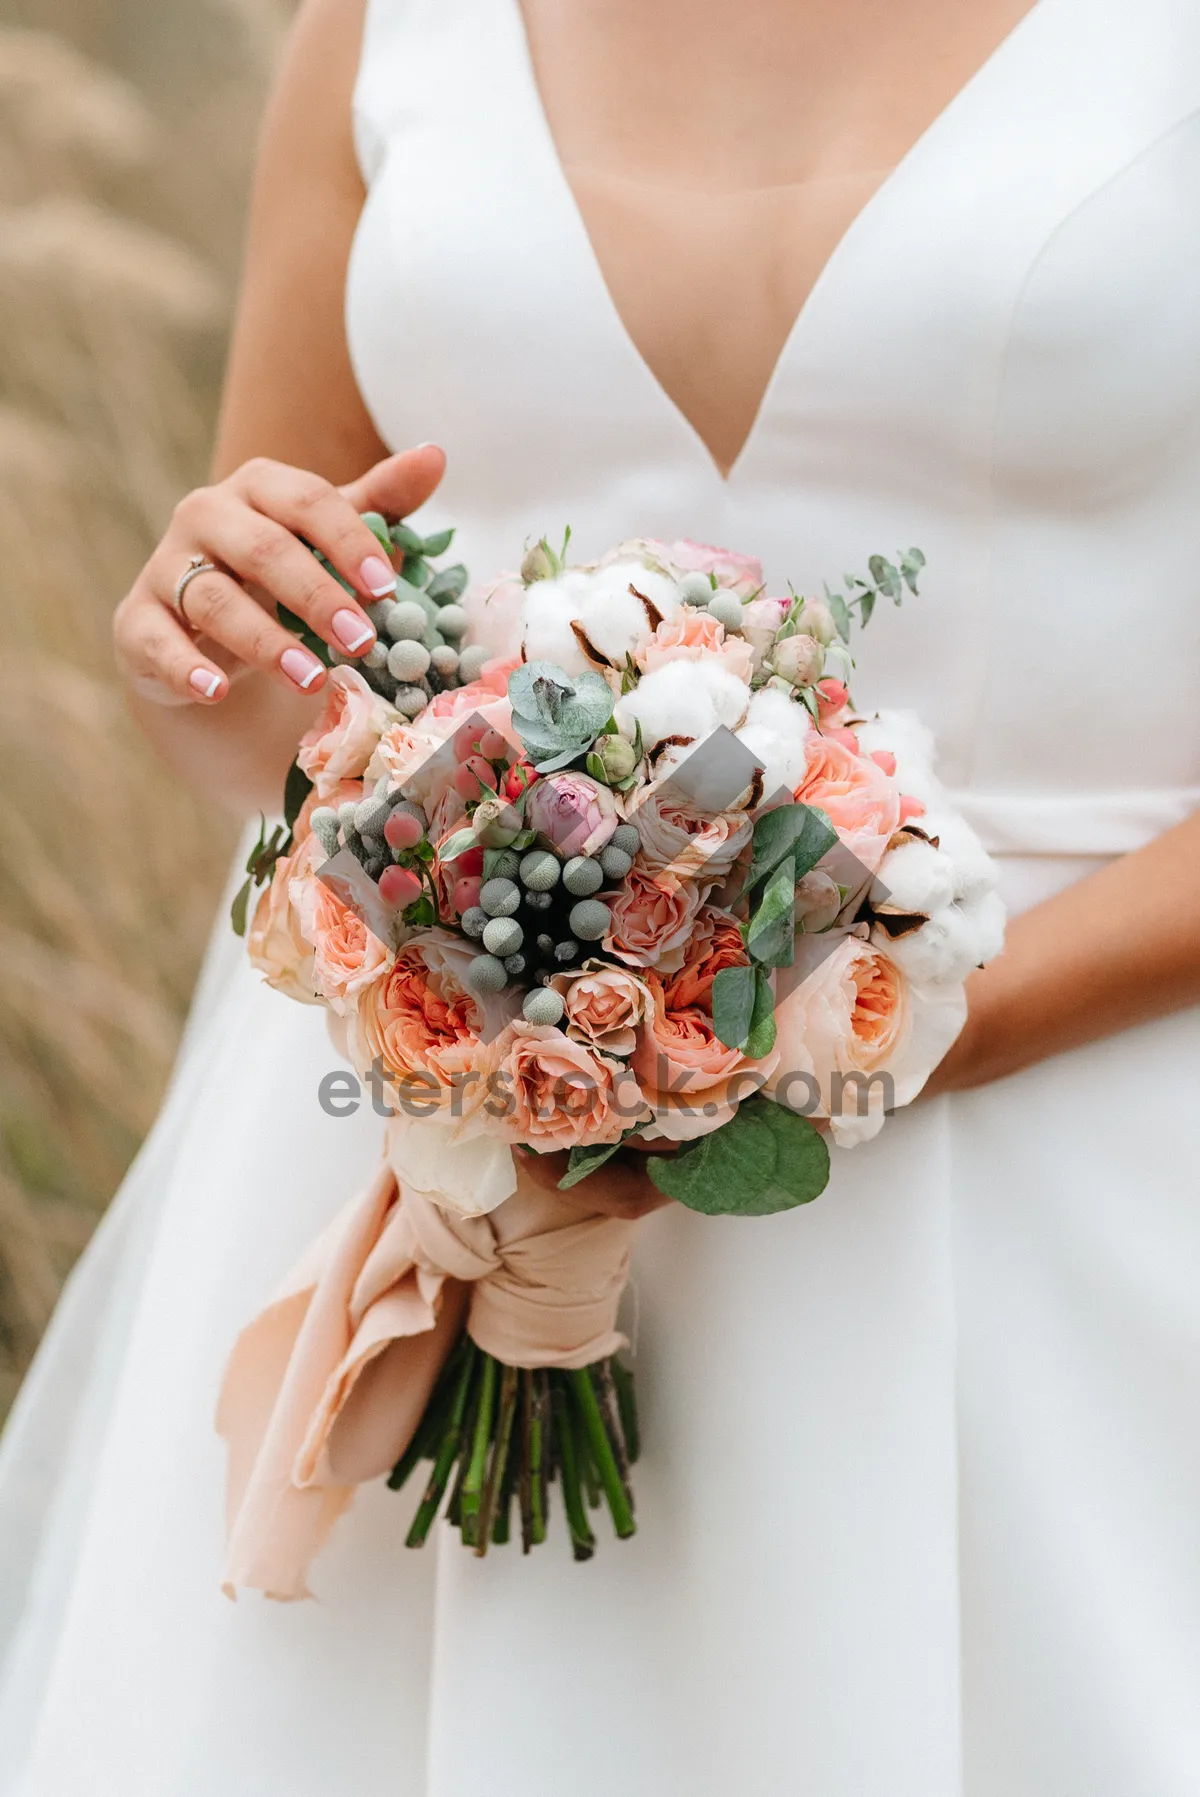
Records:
x=918, y=1509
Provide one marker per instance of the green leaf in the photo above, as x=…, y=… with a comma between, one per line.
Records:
x=417, y=571
x=733, y=994
x=378, y=526
x=726, y=1173
x=239, y=908
x=296, y=789
x=420, y=911
x=447, y=585
x=595, y=768
x=761, y=1039
x=256, y=851
x=800, y=831
x=771, y=936
x=841, y=615
x=564, y=758
x=866, y=607
x=458, y=844
x=439, y=542
x=583, y=1161
x=910, y=566
x=885, y=576
x=406, y=538
x=802, y=1154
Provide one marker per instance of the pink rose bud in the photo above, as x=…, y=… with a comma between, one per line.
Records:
x=799, y=659
x=402, y=830
x=466, y=893
x=496, y=824
x=885, y=759
x=817, y=619
x=398, y=887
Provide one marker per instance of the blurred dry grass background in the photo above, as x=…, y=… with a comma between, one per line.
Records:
x=126, y=136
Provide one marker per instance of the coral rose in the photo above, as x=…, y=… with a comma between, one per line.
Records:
x=343, y=739
x=421, y=1021
x=552, y=1092
x=843, y=1018
x=855, y=794
x=693, y=1082
x=604, y=1006
x=276, y=946
x=691, y=635
x=716, y=942
x=652, y=918
x=342, y=916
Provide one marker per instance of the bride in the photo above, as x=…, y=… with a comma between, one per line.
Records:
x=810, y=281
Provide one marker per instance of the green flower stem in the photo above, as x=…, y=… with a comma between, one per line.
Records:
x=583, y=1542
x=472, y=1488
x=428, y=1434
x=615, y=1489
x=448, y=1452
x=498, y=1470
x=622, y=1380
x=610, y=1409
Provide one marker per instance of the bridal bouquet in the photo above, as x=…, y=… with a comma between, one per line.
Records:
x=626, y=869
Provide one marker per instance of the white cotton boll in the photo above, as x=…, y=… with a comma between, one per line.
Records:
x=902, y=734
x=986, y=915
x=914, y=877
x=616, y=623
x=974, y=869
x=658, y=588
x=782, y=770
x=730, y=696
x=946, y=949
x=550, y=608
x=668, y=702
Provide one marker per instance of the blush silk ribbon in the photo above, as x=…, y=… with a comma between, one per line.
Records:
x=325, y=1388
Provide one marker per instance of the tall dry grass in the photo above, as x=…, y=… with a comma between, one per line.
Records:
x=126, y=133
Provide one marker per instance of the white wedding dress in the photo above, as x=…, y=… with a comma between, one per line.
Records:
x=920, y=1503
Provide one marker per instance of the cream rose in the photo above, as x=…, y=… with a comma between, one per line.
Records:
x=604, y=1006
x=343, y=739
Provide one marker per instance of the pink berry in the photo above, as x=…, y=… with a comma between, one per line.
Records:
x=466, y=892
x=473, y=777
x=885, y=759
x=398, y=887
x=493, y=746
x=466, y=742
x=402, y=830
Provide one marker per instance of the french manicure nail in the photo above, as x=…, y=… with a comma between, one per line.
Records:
x=202, y=681
x=377, y=576
x=300, y=667
x=351, y=631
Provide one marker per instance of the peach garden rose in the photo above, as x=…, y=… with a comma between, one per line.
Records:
x=343, y=739
x=551, y=1092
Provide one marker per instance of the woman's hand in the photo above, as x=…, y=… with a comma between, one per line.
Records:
x=255, y=525
x=620, y=1188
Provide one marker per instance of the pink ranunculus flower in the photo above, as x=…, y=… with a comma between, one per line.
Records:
x=653, y=916
x=843, y=1020
x=552, y=1092
x=571, y=812
x=855, y=794
x=604, y=1006
x=347, y=924
x=342, y=741
x=680, y=842
x=694, y=1083
x=277, y=947
x=694, y=635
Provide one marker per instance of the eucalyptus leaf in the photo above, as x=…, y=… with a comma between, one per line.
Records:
x=457, y=845
x=761, y=1038
x=726, y=1173
x=239, y=908
x=417, y=571
x=733, y=994
x=584, y=1161
x=841, y=615
x=438, y=543
x=406, y=538
x=866, y=607
x=802, y=1163
x=910, y=566
x=800, y=831
x=378, y=526
x=447, y=585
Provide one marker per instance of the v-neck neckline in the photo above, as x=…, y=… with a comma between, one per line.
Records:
x=882, y=195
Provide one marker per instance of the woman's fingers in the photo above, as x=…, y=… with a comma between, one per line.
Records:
x=262, y=554
x=216, y=607
x=400, y=483
x=316, y=511
x=620, y=1188
x=158, y=658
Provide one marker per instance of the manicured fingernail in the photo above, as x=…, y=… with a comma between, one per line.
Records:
x=301, y=667
x=377, y=576
x=202, y=681
x=352, y=630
